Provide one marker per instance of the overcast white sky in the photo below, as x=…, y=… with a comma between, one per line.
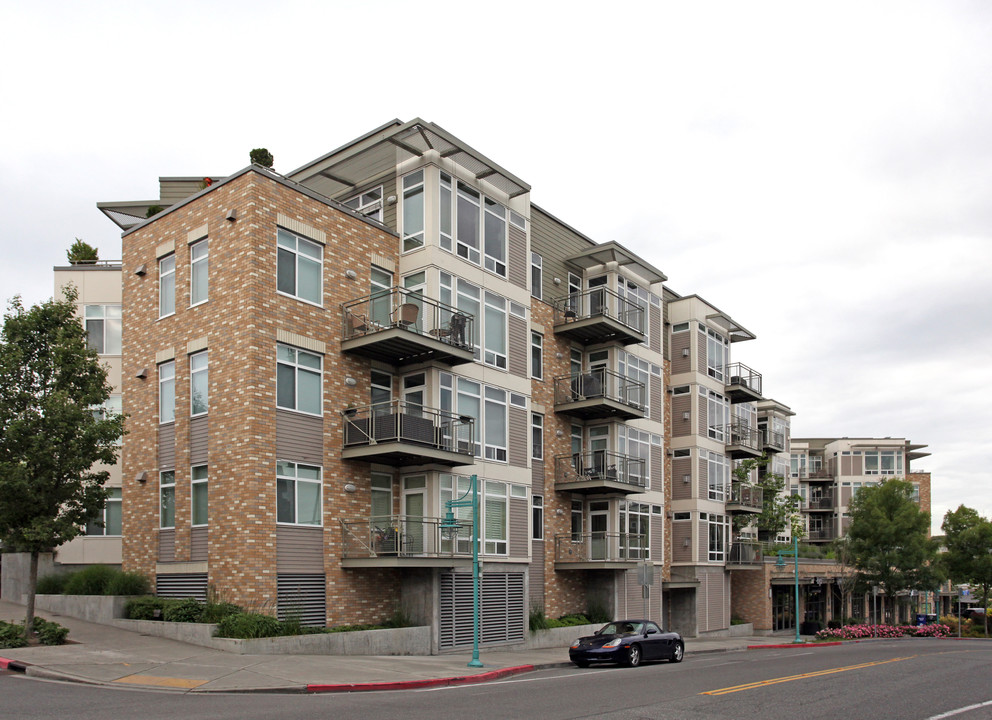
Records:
x=821, y=172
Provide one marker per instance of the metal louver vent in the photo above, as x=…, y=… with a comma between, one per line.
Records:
x=188, y=585
x=303, y=597
x=501, y=609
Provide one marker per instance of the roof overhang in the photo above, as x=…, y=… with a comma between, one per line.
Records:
x=735, y=331
x=613, y=252
x=377, y=154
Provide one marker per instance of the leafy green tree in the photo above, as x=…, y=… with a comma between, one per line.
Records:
x=968, y=537
x=888, y=539
x=50, y=433
x=779, y=509
x=81, y=253
x=262, y=157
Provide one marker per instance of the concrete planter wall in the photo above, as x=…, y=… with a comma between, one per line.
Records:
x=554, y=637
x=94, y=608
x=201, y=634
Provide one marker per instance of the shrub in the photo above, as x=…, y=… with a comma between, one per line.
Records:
x=861, y=632
x=128, y=583
x=538, y=621
x=833, y=624
x=248, y=625
x=52, y=584
x=146, y=608
x=11, y=635
x=399, y=619
x=90, y=581
x=214, y=612
x=185, y=610
x=598, y=614
x=49, y=632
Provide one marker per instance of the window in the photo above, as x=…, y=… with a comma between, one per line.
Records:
x=413, y=211
x=537, y=356
x=382, y=497
x=299, y=267
x=680, y=327
x=636, y=444
x=717, y=473
x=495, y=424
x=103, y=328
x=198, y=263
x=368, y=203
x=638, y=297
x=167, y=392
x=883, y=462
x=717, y=414
x=109, y=521
x=466, y=297
x=635, y=530
x=576, y=526
x=486, y=405
x=718, y=530
x=111, y=407
x=797, y=467
x=490, y=324
x=444, y=225
x=297, y=494
x=495, y=518
x=167, y=286
x=475, y=224
x=198, y=384
x=198, y=483
x=536, y=275
x=495, y=237
x=495, y=329
x=381, y=391
x=537, y=517
x=298, y=375
x=717, y=354
x=167, y=499
x=639, y=371
x=537, y=436
x=467, y=208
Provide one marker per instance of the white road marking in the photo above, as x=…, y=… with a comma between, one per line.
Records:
x=951, y=713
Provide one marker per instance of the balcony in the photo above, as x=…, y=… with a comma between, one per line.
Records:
x=743, y=441
x=824, y=502
x=600, y=551
x=745, y=555
x=403, y=541
x=773, y=441
x=597, y=316
x=600, y=471
x=821, y=534
x=744, y=498
x=820, y=475
x=743, y=383
x=600, y=393
x=400, y=433
x=400, y=327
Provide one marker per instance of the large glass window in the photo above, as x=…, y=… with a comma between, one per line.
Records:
x=495, y=327
x=446, y=206
x=298, y=375
x=495, y=424
x=717, y=354
x=299, y=266
x=536, y=275
x=103, y=328
x=297, y=494
x=382, y=497
x=413, y=211
x=637, y=296
x=537, y=436
x=537, y=512
x=639, y=371
x=468, y=207
x=368, y=203
x=198, y=383
x=635, y=524
x=495, y=518
x=167, y=499
x=719, y=528
x=717, y=473
x=198, y=481
x=636, y=444
x=883, y=462
x=109, y=521
x=198, y=266
x=717, y=414
x=537, y=356
x=167, y=286
x=495, y=230
x=167, y=392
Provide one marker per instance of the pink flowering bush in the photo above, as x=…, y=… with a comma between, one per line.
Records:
x=861, y=632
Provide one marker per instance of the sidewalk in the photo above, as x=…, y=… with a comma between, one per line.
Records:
x=107, y=655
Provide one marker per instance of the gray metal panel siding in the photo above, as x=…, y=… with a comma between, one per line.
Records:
x=703, y=541
x=716, y=601
x=390, y=211
x=703, y=419
x=517, y=260
x=681, y=531
x=657, y=469
x=536, y=574
x=518, y=438
x=704, y=479
x=166, y=545
x=681, y=404
x=657, y=538
x=167, y=446
x=553, y=241
x=857, y=465
x=299, y=549
x=299, y=437
x=681, y=467
x=198, y=544
x=517, y=347
x=657, y=400
x=654, y=325
x=680, y=362
x=519, y=533
x=198, y=440
x=700, y=351
x=537, y=476
x=845, y=465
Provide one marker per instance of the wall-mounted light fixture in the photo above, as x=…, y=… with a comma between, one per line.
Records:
x=232, y=215
x=350, y=274
x=687, y=478
x=350, y=488
x=391, y=200
x=686, y=415
x=350, y=381
x=686, y=542
x=557, y=281
x=141, y=270
x=685, y=352
x=141, y=477
x=142, y=373
x=559, y=433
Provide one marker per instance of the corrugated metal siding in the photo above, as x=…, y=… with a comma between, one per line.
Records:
x=704, y=479
x=536, y=574
x=654, y=320
x=185, y=585
x=299, y=437
x=680, y=363
x=713, y=601
x=302, y=596
x=681, y=531
x=517, y=260
x=700, y=351
x=198, y=433
x=198, y=544
x=657, y=539
x=299, y=549
x=681, y=404
x=537, y=477
x=703, y=414
x=657, y=399
x=518, y=438
x=517, y=346
x=657, y=469
x=519, y=532
x=681, y=467
x=501, y=615
x=167, y=446
x=166, y=545
x=553, y=241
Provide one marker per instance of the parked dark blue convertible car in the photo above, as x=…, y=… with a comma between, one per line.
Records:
x=628, y=642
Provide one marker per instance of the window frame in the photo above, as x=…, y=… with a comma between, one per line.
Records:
x=536, y=355
x=537, y=517
x=113, y=500
x=411, y=241
x=537, y=436
x=365, y=207
x=194, y=378
x=296, y=368
x=169, y=381
x=297, y=484
x=167, y=284
x=299, y=259
x=199, y=264
x=536, y=275
x=166, y=488
x=197, y=483
x=106, y=320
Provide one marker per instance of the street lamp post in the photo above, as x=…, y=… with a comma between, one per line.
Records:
x=450, y=526
x=780, y=563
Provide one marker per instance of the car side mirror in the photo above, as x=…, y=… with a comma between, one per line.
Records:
x=651, y=631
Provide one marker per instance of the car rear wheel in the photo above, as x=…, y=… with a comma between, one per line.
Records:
x=633, y=658
x=677, y=652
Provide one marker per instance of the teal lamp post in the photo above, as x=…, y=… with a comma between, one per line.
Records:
x=780, y=564
x=450, y=526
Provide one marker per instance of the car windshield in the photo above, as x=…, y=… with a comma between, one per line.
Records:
x=621, y=628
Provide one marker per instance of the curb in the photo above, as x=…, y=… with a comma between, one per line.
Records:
x=795, y=645
x=415, y=684
x=7, y=664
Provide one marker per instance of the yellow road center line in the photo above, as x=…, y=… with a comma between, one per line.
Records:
x=802, y=676
x=161, y=681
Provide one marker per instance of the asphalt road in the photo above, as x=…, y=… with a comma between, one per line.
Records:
x=906, y=679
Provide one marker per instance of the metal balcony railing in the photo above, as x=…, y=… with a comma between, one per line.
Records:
x=820, y=502
x=599, y=302
x=600, y=547
x=746, y=496
x=400, y=536
x=406, y=422
x=746, y=553
x=398, y=307
x=600, y=383
x=738, y=434
x=820, y=534
x=773, y=440
x=600, y=465
x=741, y=376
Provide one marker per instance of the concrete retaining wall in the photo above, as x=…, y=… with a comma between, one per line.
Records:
x=554, y=637
x=94, y=608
